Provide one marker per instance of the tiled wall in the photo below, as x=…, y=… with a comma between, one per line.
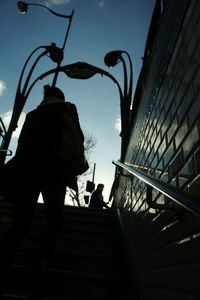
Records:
x=165, y=143
x=166, y=135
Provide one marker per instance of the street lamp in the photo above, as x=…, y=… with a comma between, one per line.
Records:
x=56, y=55
x=111, y=59
x=21, y=96
x=23, y=8
x=83, y=70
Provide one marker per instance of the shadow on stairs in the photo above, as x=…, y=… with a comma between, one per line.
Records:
x=86, y=263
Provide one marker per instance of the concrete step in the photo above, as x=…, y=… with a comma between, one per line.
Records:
x=75, y=240
x=59, y=283
x=76, y=219
x=68, y=260
x=83, y=266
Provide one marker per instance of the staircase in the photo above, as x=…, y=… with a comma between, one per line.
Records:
x=87, y=262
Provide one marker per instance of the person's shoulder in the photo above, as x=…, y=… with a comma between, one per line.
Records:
x=31, y=113
x=54, y=106
x=95, y=192
x=69, y=106
x=72, y=105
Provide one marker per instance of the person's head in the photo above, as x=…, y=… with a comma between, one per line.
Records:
x=55, y=92
x=100, y=186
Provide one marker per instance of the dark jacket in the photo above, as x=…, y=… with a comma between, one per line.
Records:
x=37, y=154
x=96, y=200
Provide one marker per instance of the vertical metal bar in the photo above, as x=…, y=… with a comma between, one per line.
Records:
x=63, y=47
x=149, y=195
x=94, y=168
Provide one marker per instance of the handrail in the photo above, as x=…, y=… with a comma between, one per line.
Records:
x=189, y=202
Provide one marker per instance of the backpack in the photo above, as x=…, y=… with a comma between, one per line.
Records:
x=72, y=145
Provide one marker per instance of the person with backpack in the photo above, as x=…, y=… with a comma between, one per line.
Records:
x=38, y=167
x=96, y=200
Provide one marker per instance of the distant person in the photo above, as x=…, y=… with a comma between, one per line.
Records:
x=97, y=200
x=37, y=167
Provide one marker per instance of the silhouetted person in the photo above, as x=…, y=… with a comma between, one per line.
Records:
x=37, y=167
x=96, y=200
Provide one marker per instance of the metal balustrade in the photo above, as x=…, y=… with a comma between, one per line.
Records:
x=178, y=196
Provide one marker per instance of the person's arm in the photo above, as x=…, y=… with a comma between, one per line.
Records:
x=105, y=204
x=76, y=120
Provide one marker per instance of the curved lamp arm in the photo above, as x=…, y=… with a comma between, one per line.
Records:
x=78, y=65
x=3, y=126
x=88, y=71
x=56, y=55
x=23, y=7
x=63, y=47
x=26, y=63
x=32, y=69
x=111, y=59
x=126, y=86
x=20, y=100
x=130, y=88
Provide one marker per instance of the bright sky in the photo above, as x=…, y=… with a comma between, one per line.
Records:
x=98, y=26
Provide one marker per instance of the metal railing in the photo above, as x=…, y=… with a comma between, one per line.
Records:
x=180, y=197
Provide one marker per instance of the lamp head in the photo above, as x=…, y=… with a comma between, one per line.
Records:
x=22, y=7
x=81, y=70
x=56, y=54
x=112, y=58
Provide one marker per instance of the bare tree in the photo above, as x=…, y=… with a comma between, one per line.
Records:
x=78, y=198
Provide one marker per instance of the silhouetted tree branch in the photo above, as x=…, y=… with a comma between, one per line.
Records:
x=89, y=144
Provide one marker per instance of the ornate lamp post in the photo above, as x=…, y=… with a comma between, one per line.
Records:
x=56, y=55
x=111, y=59
x=83, y=70
x=23, y=8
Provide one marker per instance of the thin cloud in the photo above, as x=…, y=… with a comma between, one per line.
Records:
x=101, y=3
x=118, y=124
x=56, y=2
x=6, y=120
x=3, y=87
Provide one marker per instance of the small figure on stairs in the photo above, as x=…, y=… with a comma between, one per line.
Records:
x=97, y=200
